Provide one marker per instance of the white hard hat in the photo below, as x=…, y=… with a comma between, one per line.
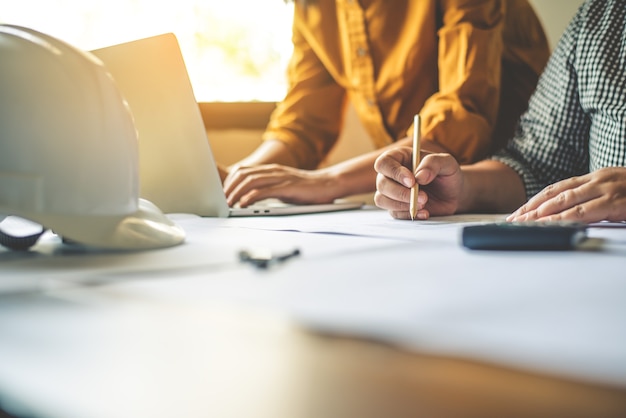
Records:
x=68, y=147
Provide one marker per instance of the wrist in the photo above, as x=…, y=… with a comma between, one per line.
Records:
x=467, y=198
x=491, y=187
x=334, y=181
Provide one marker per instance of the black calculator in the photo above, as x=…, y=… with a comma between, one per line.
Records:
x=531, y=235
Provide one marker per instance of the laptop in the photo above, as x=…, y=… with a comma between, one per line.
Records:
x=177, y=170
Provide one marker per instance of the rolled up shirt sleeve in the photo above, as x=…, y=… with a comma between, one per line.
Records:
x=461, y=116
x=308, y=120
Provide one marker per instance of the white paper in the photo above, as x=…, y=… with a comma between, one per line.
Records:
x=360, y=273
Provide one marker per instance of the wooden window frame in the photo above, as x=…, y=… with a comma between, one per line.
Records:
x=236, y=115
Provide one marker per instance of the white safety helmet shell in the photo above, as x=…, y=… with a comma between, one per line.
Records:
x=68, y=147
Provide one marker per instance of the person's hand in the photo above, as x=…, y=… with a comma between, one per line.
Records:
x=439, y=176
x=593, y=197
x=246, y=185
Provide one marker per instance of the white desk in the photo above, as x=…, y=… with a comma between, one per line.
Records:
x=190, y=331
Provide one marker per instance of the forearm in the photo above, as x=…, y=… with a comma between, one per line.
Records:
x=353, y=176
x=492, y=187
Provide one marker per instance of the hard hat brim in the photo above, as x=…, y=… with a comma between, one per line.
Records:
x=147, y=228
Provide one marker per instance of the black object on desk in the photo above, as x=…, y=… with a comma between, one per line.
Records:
x=539, y=236
x=264, y=258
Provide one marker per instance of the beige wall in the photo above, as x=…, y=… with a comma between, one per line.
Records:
x=555, y=15
x=232, y=144
x=229, y=145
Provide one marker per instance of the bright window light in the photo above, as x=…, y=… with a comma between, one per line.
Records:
x=234, y=50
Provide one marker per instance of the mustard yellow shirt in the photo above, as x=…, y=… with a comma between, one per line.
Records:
x=468, y=67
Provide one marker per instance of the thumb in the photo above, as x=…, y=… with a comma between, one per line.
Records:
x=395, y=164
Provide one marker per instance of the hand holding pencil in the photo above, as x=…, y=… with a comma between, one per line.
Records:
x=441, y=177
x=416, y=160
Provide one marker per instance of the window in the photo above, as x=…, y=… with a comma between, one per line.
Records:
x=235, y=50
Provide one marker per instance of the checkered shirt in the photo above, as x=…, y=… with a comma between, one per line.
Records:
x=576, y=119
